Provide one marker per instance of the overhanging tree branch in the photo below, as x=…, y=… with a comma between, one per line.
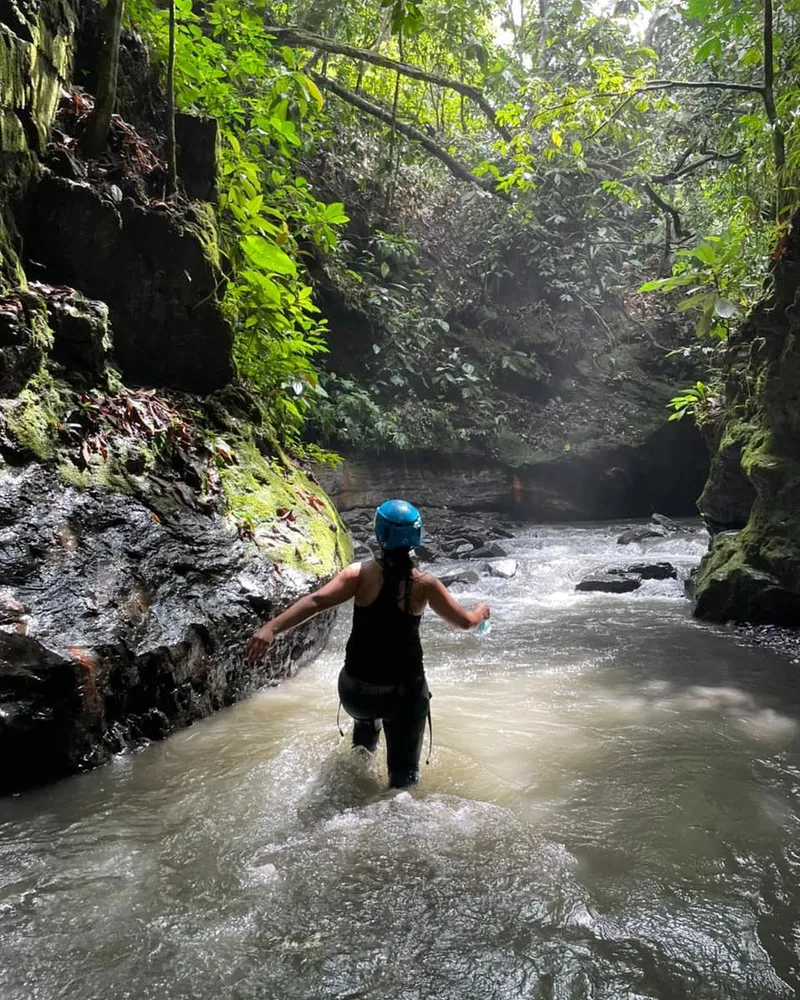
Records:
x=671, y=213
x=689, y=168
x=294, y=36
x=747, y=88
x=376, y=111
x=668, y=210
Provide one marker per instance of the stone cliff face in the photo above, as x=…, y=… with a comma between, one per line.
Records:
x=752, y=497
x=604, y=483
x=143, y=532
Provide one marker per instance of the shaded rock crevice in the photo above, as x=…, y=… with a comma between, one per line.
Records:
x=156, y=272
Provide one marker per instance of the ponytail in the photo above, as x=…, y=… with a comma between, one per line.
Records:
x=398, y=569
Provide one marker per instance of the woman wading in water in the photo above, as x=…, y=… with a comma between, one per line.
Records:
x=382, y=683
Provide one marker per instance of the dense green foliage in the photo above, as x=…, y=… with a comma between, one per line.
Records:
x=227, y=66
x=648, y=144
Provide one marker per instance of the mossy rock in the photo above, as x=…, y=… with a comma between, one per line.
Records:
x=290, y=518
x=24, y=340
x=729, y=588
x=31, y=419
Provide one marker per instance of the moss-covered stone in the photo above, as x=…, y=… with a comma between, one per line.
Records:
x=32, y=419
x=36, y=43
x=754, y=575
x=290, y=518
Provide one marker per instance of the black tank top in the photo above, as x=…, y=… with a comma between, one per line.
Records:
x=384, y=646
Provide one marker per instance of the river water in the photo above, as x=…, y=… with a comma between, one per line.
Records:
x=611, y=811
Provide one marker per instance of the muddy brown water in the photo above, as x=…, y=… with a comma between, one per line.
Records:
x=611, y=811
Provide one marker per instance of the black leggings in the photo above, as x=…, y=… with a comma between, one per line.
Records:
x=401, y=710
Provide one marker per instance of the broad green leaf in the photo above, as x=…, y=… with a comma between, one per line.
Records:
x=335, y=214
x=705, y=253
x=268, y=256
x=315, y=92
x=698, y=301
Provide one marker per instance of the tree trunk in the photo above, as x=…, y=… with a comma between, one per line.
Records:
x=390, y=188
x=172, y=146
x=95, y=134
x=778, y=137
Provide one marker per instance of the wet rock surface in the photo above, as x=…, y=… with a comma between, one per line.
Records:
x=730, y=588
x=728, y=496
x=605, y=483
x=610, y=582
x=654, y=571
x=660, y=526
x=463, y=577
x=641, y=533
x=118, y=625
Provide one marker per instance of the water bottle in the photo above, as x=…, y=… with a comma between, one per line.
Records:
x=482, y=630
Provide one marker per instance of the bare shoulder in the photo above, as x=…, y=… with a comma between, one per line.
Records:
x=427, y=581
x=368, y=568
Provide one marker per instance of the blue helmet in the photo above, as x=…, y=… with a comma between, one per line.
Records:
x=398, y=525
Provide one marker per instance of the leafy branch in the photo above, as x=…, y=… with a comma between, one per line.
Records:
x=457, y=169
x=295, y=36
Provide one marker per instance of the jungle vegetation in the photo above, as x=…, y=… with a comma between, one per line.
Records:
x=637, y=147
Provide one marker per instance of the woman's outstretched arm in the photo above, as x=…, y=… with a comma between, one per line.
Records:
x=447, y=607
x=340, y=589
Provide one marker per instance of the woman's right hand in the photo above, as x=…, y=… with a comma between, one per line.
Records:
x=482, y=611
x=258, y=645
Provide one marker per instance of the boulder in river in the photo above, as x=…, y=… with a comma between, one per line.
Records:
x=641, y=533
x=464, y=576
x=495, y=531
x=361, y=550
x=489, y=551
x=726, y=588
x=451, y=545
x=610, y=582
x=665, y=522
x=506, y=569
x=426, y=553
x=654, y=571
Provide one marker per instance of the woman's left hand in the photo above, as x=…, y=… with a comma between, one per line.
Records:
x=259, y=643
